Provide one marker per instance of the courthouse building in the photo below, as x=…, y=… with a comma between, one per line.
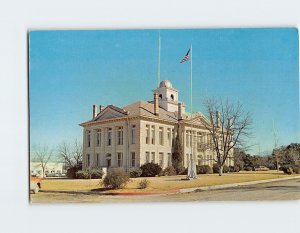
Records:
x=144, y=131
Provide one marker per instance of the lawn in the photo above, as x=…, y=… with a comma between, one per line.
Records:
x=163, y=183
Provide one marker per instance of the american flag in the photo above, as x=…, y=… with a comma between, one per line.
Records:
x=186, y=57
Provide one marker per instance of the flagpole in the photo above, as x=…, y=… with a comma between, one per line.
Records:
x=158, y=65
x=191, y=106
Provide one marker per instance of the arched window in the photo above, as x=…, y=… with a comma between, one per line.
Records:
x=172, y=96
x=160, y=96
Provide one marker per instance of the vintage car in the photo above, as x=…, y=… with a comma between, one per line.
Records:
x=35, y=184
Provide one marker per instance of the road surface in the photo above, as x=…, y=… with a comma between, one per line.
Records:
x=282, y=190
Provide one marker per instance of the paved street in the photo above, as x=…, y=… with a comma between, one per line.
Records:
x=283, y=190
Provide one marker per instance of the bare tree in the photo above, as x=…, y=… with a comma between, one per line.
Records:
x=43, y=156
x=71, y=154
x=229, y=127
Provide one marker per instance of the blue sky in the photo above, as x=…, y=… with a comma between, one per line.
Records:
x=69, y=71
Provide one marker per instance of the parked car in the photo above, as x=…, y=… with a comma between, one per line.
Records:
x=261, y=168
x=35, y=184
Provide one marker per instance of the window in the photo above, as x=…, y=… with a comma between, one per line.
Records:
x=109, y=136
x=199, y=160
x=198, y=140
x=88, y=138
x=147, y=157
x=187, y=141
x=169, y=159
x=133, y=134
x=153, y=134
x=147, y=134
x=161, y=134
x=152, y=157
x=160, y=96
x=132, y=159
x=98, y=159
x=172, y=96
x=98, y=137
x=161, y=159
x=88, y=160
x=173, y=137
x=120, y=158
x=169, y=137
x=120, y=136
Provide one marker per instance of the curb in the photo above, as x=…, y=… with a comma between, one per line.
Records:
x=172, y=191
x=224, y=186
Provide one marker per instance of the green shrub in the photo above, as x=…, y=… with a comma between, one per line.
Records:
x=234, y=168
x=296, y=169
x=136, y=172
x=225, y=169
x=169, y=171
x=144, y=184
x=96, y=174
x=116, y=179
x=287, y=169
x=204, y=169
x=215, y=168
x=248, y=168
x=71, y=171
x=82, y=175
x=150, y=170
x=180, y=170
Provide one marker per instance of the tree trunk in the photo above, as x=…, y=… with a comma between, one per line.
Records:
x=221, y=170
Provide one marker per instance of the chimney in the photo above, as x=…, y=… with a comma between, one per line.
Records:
x=155, y=103
x=94, y=111
x=179, y=111
x=101, y=108
x=218, y=119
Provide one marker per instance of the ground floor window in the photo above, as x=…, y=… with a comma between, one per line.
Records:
x=88, y=160
x=161, y=159
x=133, y=159
x=169, y=159
x=120, y=159
x=153, y=157
x=147, y=157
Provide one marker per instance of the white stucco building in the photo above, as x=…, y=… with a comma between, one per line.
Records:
x=51, y=169
x=143, y=132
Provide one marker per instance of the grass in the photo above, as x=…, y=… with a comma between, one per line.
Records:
x=163, y=183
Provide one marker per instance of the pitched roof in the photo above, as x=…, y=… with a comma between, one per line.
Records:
x=143, y=108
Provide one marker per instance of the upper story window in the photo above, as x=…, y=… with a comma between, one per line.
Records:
x=160, y=96
x=109, y=132
x=153, y=134
x=172, y=97
x=88, y=138
x=147, y=134
x=161, y=136
x=120, y=136
x=133, y=134
x=98, y=137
